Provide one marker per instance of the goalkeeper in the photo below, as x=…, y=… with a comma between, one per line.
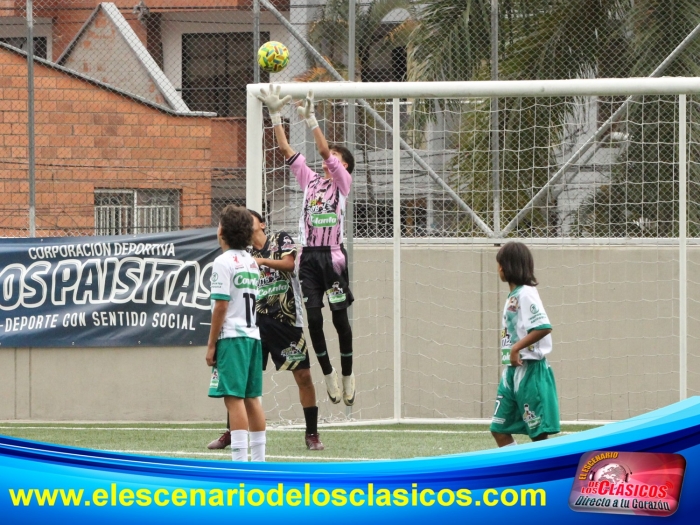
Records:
x=323, y=268
x=526, y=400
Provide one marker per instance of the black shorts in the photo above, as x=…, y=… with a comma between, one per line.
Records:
x=324, y=270
x=286, y=344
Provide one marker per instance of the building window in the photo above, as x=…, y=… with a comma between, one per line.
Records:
x=375, y=220
x=219, y=203
x=216, y=67
x=40, y=45
x=127, y=212
x=420, y=217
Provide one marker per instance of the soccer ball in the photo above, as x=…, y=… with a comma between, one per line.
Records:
x=273, y=57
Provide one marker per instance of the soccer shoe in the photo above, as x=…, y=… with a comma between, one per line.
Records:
x=349, y=390
x=332, y=387
x=222, y=442
x=313, y=442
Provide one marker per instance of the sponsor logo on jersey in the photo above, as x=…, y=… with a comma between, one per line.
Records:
x=214, y=383
x=295, y=352
x=531, y=419
x=505, y=347
x=335, y=294
x=324, y=220
x=274, y=288
x=512, y=304
x=246, y=280
x=214, y=277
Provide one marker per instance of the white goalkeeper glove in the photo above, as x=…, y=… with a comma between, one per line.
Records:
x=273, y=102
x=306, y=111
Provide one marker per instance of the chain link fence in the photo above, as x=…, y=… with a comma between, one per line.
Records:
x=134, y=122
x=139, y=113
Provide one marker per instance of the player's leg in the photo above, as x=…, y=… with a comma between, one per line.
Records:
x=253, y=399
x=506, y=419
x=307, y=396
x=287, y=347
x=300, y=365
x=312, y=288
x=229, y=379
x=256, y=428
x=238, y=418
x=314, y=319
x=342, y=326
x=335, y=271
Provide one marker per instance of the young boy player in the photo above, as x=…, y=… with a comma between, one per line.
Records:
x=323, y=268
x=234, y=350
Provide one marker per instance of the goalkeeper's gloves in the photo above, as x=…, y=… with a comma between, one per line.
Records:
x=306, y=111
x=273, y=102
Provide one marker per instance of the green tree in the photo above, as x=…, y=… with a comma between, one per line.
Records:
x=329, y=33
x=551, y=39
x=641, y=199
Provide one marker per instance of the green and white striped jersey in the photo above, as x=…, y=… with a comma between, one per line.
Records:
x=522, y=314
x=234, y=278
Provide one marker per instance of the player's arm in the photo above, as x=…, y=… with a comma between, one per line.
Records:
x=285, y=264
x=218, y=317
x=274, y=106
x=282, y=143
x=528, y=340
x=306, y=111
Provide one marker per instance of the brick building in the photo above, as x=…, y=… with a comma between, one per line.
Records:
x=93, y=141
x=137, y=127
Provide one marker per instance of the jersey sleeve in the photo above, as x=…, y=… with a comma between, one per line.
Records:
x=220, y=281
x=532, y=313
x=303, y=174
x=286, y=245
x=339, y=174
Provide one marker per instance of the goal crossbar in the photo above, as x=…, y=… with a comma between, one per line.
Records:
x=496, y=88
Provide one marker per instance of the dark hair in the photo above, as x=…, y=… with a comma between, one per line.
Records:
x=236, y=227
x=517, y=263
x=257, y=216
x=345, y=153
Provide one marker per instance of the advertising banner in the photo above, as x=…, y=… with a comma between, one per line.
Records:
x=137, y=290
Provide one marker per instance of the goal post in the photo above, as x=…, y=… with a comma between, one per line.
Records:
x=600, y=177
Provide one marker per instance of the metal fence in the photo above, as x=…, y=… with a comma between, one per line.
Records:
x=150, y=96
x=131, y=118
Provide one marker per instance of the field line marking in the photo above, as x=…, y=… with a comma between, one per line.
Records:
x=270, y=429
x=228, y=454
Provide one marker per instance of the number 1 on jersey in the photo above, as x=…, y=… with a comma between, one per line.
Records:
x=249, y=308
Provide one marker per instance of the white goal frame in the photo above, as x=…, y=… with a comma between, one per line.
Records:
x=677, y=86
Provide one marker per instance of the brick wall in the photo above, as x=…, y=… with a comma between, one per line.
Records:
x=88, y=137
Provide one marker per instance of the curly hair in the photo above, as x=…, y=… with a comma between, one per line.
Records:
x=236, y=227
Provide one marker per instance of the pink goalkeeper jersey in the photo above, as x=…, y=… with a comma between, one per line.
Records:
x=323, y=211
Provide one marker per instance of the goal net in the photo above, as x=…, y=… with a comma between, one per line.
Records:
x=598, y=177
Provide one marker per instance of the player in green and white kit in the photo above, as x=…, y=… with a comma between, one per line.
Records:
x=234, y=351
x=526, y=401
